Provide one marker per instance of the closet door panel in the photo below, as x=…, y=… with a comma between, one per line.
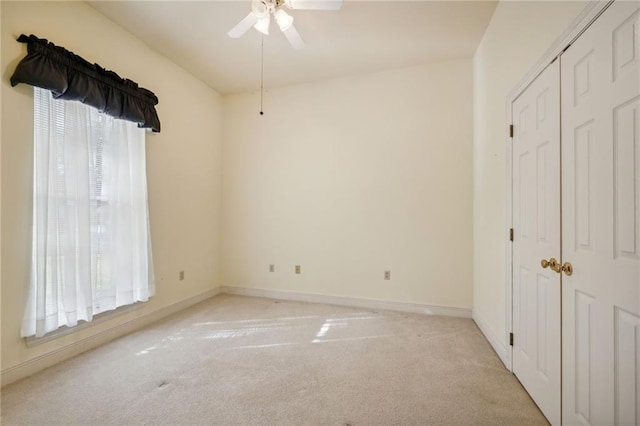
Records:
x=600, y=86
x=536, y=223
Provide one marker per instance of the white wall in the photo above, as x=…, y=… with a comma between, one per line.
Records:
x=350, y=177
x=184, y=164
x=518, y=35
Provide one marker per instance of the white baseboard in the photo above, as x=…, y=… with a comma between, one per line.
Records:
x=350, y=301
x=503, y=351
x=32, y=366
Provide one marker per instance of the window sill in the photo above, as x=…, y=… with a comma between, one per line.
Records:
x=97, y=319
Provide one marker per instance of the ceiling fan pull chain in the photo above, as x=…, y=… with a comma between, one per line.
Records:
x=261, y=73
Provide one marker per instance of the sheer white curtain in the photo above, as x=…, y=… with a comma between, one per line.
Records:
x=91, y=247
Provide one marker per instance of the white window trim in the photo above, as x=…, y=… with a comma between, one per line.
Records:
x=32, y=341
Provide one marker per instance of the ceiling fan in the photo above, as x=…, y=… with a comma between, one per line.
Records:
x=262, y=10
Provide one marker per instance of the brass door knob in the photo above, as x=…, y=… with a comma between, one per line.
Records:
x=552, y=264
x=567, y=268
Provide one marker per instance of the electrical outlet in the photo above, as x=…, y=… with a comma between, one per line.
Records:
x=297, y=269
x=181, y=275
x=272, y=268
x=387, y=275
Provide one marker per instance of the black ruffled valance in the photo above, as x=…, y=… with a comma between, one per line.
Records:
x=70, y=77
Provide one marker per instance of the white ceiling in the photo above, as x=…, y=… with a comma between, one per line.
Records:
x=362, y=37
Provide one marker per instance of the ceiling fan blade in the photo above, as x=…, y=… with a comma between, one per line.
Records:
x=294, y=38
x=314, y=4
x=243, y=26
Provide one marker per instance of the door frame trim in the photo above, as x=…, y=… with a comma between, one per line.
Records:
x=585, y=18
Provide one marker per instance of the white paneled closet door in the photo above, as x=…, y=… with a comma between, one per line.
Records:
x=536, y=223
x=600, y=86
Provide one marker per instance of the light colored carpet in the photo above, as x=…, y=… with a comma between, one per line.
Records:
x=239, y=360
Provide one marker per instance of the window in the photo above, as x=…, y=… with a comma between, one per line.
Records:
x=91, y=249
